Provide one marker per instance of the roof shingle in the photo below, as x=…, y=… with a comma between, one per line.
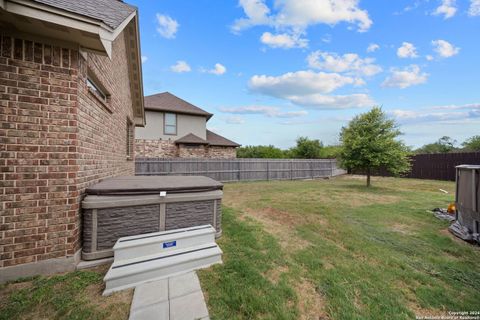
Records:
x=217, y=140
x=168, y=102
x=110, y=12
x=191, y=139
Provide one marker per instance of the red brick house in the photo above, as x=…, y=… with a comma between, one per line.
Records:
x=176, y=128
x=70, y=97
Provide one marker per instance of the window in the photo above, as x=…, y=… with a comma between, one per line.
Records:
x=130, y=140
x=96, y=90
x=170, y=125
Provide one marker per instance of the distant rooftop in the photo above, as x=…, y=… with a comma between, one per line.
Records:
x=217, y=140
x=170, y=103
x=213, y=139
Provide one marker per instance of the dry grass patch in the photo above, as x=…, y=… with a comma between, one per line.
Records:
x=281, y=225
x=311, y=303
x=401, y=228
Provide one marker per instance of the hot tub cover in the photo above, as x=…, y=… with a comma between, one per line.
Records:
x=133, y=185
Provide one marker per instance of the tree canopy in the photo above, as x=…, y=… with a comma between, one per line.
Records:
x=472, y=144
x=267, y=152
x=443, y=145
x=305, y=148
x=370, y=142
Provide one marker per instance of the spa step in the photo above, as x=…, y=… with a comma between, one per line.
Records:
x=158, y=242
x=124, y=274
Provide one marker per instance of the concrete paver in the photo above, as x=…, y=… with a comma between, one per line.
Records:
x=157, y=311
x=176, y=298
x=188, y=307
x=183, y=284
x=150, y=293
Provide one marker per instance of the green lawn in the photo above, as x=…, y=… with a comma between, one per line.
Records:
x=334, y=249
x=74, y=295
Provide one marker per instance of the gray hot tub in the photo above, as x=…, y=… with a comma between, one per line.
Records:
x=126, y=206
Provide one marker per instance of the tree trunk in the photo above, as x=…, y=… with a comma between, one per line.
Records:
x=368, y=177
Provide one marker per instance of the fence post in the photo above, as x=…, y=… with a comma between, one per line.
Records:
x=238, y=170
x=291, y=169
x=268, y=170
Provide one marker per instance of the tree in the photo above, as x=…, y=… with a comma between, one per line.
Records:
x=307, y=149
x=369, y=142
x=443, y=145
x=472, y=144
x=268, y=152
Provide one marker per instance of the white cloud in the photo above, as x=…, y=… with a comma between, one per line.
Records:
x=445, y=49
x=444, y=114
x=447, y=8
x=235, y=120
x=309, y=88
x=271, y=112
x=256, y=12
x=333, y=102
x=429, y=57
x=218, y=69
x=406, y=77
x=474, y=9
x=327, y=38
x=372, y=47
x=470, y=106
x=350, y=63
x=407, y=50
x=283, y=40
x=300, y=14
x=180, y=67
x=298, y=83
x=166, y=26
x=144, y=59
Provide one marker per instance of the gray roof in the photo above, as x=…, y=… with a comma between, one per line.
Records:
x=110, y=12
x=217, y=140
x=170, y=103
x=191, y=139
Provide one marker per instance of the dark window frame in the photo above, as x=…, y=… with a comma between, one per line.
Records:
x=130, y=139
x=165, y=124
x=97, y=90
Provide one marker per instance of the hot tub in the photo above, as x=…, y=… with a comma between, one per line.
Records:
x=127, y=206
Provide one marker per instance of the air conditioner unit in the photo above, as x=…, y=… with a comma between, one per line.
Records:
x=467, y=199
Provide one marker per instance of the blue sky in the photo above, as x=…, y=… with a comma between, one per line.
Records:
x=272, y=71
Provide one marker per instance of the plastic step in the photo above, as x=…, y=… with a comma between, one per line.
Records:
x=124, y=274
x=160, y=242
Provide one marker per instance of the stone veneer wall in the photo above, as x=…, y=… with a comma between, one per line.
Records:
x=215, y=152
x=56, y=139
x=168, y=149
x=155, y=148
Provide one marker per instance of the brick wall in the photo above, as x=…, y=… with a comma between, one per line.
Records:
x=56, y=139
x=168, y=149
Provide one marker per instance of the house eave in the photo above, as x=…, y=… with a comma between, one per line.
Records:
x=89, y=33
x=132, y=40
x=86, y=33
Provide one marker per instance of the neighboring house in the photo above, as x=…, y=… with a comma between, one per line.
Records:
x=178, y=129
x=70, y=97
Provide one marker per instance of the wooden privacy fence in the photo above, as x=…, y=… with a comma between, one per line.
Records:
x=239, y=169
x=440, y=166
x=435, y=166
